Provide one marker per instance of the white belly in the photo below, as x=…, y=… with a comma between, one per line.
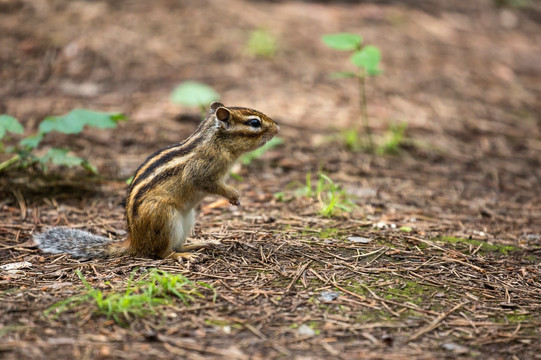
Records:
x=181, y=227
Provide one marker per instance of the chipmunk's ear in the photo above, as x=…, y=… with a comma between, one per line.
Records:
x=223, y=114
x=215, y=105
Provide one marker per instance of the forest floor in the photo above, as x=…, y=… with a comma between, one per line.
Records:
x=439, y=258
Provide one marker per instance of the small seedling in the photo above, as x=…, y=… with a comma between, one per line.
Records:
x=366, y=58
x=393, y=139
x=25, y=151
x=331, y=197
x=262, y=43
x=192, y=93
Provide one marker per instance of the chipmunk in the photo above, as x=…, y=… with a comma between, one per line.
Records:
x=166, y=188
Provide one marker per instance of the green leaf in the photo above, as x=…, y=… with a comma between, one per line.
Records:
x=77, y=119
x=89, y=167
x=60, y=157
x=31, y=141
x=9, y=123
x=191, y=93
x=342, y=74
x=368, y=58
x=342, y=41
x=406, y=229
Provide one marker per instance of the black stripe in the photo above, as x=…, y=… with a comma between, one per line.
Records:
x=161, y=177
x=146, y=161
x=181, y=151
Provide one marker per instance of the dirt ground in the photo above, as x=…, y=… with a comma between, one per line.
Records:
x=465, y=282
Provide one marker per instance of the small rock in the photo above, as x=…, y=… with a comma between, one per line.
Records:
x=328, y=295
x=359, y=239
x=455, y=348
x=306, y=330
x=16, y=266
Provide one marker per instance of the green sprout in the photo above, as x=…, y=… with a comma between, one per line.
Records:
x=366, y=58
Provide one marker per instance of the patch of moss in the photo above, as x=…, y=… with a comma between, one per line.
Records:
x=531, y=258
x=414, y=292
x=514, y=317
x=401, y=291
x=326, y=233
x=485, y=247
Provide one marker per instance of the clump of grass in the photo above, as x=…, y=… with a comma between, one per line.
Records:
x=146, y=296
x=331, y=197
x=392, y=139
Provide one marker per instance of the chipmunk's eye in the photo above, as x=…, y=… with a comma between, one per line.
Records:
x=254, y=123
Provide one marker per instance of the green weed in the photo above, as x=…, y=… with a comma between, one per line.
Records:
x=146, y=296
x=25, y=152
x=331, y=197
x=392, y=139
x=366, y=58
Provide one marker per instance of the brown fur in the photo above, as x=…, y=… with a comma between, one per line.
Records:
x=178, y=183
x=168, y=186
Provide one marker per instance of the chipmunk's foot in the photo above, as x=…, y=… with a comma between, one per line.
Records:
x=184, y=256
x=200, y=245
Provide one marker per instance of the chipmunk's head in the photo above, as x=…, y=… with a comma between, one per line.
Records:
x=242, y=129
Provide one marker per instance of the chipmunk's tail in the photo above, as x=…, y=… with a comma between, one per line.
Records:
x=79, y=243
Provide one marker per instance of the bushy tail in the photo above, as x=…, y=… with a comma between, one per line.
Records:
x=78, y=243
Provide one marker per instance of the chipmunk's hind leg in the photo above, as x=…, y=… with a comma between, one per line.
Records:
x=182, y=226
x=151, y=233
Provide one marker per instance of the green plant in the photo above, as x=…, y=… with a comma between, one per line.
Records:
x=330, y=196
x=192, y=93
x=262, y=43
x=247, y=158
x=352, y=139
x=25, y=151
x=146, y=296
x=392, y=139
x=366, y=58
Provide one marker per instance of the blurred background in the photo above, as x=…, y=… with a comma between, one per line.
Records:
x=464, y=77
x=430, y=230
